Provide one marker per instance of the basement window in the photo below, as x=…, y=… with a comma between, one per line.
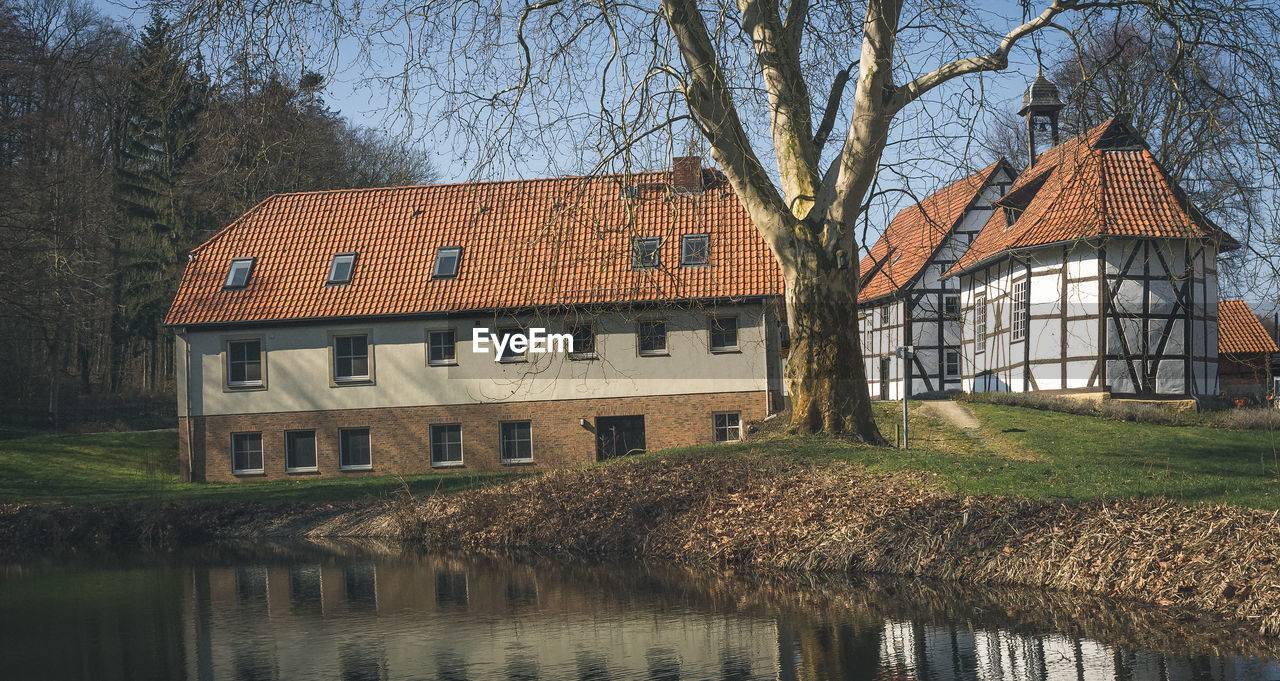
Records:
x=246, y=453
x=728, y=426
x=447, y=261
x=238, y=273
x=340, y=270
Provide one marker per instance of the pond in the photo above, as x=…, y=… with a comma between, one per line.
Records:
x=371, y=613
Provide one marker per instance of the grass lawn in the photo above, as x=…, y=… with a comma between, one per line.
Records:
x=130, y=466
x=1042, y=454
x=1018, y=451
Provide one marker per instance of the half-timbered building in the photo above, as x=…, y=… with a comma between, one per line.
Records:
x=905, y=302
x=1096, y=274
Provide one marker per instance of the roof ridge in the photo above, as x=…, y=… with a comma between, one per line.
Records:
x=466, y=183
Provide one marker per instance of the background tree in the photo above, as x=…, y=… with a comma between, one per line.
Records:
x=118, y=153
x=166, y=94
x=822, y=87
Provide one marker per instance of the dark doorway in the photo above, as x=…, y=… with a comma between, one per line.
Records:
x=885, y=365
x=619, y=436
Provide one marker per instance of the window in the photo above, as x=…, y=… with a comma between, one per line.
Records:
x=509, y=353
x=340, y=270
x=246, y=452
x=447, y=260
x=644, y=252
x=442, y=347
x=694, y=249
x=953, y=363
x=353, y=449
x=300, y=450
x=951, y=306
x=728, y=426
x=886, y=311
x=238, y=273
x=584, y=341
x=446, y=444
x=651, y=338
x=724, y=334
x=351, y=358
x=516, y=443
x=244, y=363
x=1019, y=312
x=980, y=323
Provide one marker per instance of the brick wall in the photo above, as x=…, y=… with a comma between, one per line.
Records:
x=399, y=436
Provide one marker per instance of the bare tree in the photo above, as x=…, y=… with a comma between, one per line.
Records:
x=822, y=86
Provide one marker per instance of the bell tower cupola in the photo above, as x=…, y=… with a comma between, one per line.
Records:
x=1040, y=106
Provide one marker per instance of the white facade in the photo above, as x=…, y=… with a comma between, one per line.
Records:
x=298, y=376
x=917, y=314
x=1128, y=317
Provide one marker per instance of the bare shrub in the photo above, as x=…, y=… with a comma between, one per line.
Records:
x=1258, y=418
x=1141, y=412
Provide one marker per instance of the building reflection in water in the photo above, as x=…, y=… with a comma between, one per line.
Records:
x=326, y=616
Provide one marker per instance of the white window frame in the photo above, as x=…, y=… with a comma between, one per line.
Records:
x=735, y=429
x=711, y=333
x=462, y=456
x=355, y=467
x=231, y=385
x=350, y=260
x=337, y=380
x=502, y=456
x=980, y=323
x=886, y=313
x=452, y=361
x=685, y=240
x=666, y=337
x=946, y=364
x=238, y=264
x=1019, y=324
x=315, y=442
x=441, y=254
x=262, y=455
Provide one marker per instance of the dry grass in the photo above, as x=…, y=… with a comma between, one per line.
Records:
x=746, y=512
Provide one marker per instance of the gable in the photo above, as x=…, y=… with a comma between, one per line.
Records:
x=915, y=234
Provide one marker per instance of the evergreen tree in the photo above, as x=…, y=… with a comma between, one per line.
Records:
x=166, y=94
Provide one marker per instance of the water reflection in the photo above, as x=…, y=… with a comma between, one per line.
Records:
x=321, y=615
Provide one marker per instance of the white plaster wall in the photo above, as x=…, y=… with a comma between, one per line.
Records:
x=298, y=370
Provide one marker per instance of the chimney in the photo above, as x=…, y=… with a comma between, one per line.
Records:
x=686, y=174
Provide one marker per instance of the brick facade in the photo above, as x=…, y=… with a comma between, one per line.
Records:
x=399, y=436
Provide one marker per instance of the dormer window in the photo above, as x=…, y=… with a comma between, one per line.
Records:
x=340, y=270
x=644, y=252
x=238, y=273
x=447, y=259
x=694, y=249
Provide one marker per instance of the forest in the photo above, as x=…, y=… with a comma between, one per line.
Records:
x=119, y=152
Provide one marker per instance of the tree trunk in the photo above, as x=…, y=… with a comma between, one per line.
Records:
x=825, y=375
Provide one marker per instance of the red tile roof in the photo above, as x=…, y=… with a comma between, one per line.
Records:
x=1101, y=183
x=561, y=241
x=1240, y=331
x=915, y=234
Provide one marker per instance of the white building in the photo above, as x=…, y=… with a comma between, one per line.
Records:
x=905, y=301
x=1092, y=273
